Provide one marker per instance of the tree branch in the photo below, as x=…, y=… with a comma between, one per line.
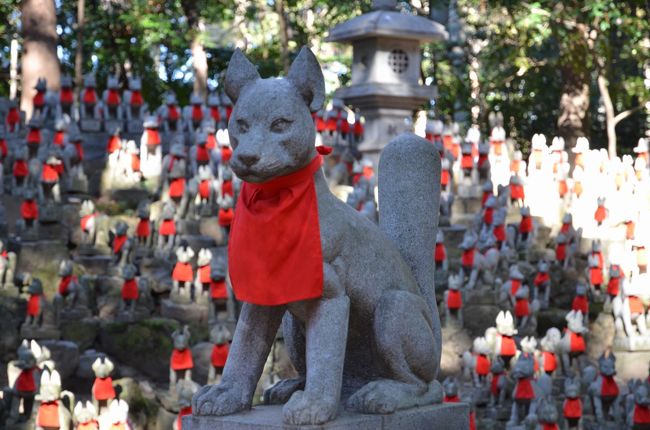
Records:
x=621, y=116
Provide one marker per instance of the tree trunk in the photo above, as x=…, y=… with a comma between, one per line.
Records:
x=200, y=65
x=39, y=49
x=284, y=36
x=78, y=56
x=199, y=59
x=610, y=115
x=574, y=106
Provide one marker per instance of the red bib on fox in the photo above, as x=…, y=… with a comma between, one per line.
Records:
x=274, y=254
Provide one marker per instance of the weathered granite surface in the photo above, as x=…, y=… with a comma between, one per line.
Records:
x=446, y=416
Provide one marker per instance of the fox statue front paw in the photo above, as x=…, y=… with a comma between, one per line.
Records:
x=222, y=399
x=306, y=409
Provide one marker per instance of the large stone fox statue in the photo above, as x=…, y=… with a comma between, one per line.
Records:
x=370, y=334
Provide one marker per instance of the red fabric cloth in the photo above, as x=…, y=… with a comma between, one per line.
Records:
x=89, y=96
x=467, y=258
x=508, y=346
x=215, y=114
x=482, y=159
x=226, y=188
x=486, y=195
x=541, y=278
x=103, y=388
x=20, y=169
x=183, y=272
x=515, y=284
x=596, y=276
x=153, y=137
x=454, y=299
x=80, y=150
x=600, y=214
x=64, y=284
x=636, y=306
x=204, y=189
x=324, y=149
x=572, y=408
x=281, y=217
x=482, y=367
x=566, y=227
x=550, y=361
x=613, y=286
x=197, y=113
x=488, y=215
x=135, y=162
x=48, y=414
x=34, y=136
x=608, y=386
x=219, y=355
x=218, y=290
x=516, y=192
x=29, y=210
x=451, y=399
x=33, y=305
x=130, y=290
x=524, y=390
x=58, y=138
x=440, y=253
x=204, y=274
x=550, y=426
x=83, y=223
x=186, y=411
x=444, y=177
x=211, y=142
x=202, y=153
x=182, y=359
x=226, y=154
x=494, y=385
x=25, y=383
x=472, y=420
x=563, y=189
x=514, y=166
x=143, y=228
x=225, y=217
x=3, y=148
x=118, y=243
x=499, y=232
x=90, y=425
x=66, y=96
x=577, y=342
x=526, y=224
x=39, y=99
x=13, y=118
x=641, y=414
x=560, y=251
x=177, y=187
x=113, y=98
x=521, y=308
x=580, y=303
x=114, y=144
x=168, y=227
x=172, y=113
x=136, y=98
x=466, y=161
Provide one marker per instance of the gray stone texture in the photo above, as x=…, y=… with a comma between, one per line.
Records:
x=378, y=281
x=447, y=416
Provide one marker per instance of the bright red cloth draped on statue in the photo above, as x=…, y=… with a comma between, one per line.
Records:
x=274, y=254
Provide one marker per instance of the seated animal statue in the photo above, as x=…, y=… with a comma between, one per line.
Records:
x=331, y=290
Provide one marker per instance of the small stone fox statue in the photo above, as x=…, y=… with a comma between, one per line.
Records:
x=378, y=280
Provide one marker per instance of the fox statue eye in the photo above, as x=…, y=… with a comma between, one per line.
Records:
x=280, y=125
x=242, y=126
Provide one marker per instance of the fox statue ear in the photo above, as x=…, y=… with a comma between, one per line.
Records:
x=240, y=73
x=305, y=74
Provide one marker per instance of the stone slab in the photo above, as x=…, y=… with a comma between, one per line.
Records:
x=632, y=364
x=441, y=417
x=92, y=125
x=634, y=343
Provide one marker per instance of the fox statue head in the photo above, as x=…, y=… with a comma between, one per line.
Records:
x=271, y=129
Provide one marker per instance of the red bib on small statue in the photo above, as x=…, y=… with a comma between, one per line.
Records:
x=274, y=254
x=103, y=388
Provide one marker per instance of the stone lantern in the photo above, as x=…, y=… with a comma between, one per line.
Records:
x=385, y=84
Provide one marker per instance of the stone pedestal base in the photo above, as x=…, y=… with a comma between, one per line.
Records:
x=633, y=343
x=632, y=364
x=441, y=417
x=134, y=126
x=92, y=125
